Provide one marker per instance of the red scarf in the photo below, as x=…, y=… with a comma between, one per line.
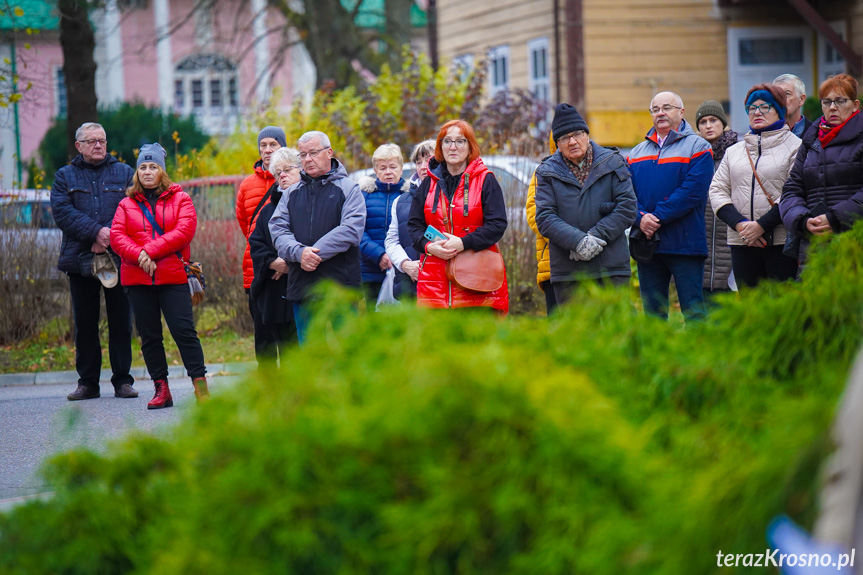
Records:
x=827, y=133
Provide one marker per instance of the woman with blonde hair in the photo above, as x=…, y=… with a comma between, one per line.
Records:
x=380, y=193
x=151, y=233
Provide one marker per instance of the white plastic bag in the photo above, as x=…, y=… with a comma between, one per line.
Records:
x=385, y=297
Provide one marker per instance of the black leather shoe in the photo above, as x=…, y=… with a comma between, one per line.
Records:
x=125, y=390
x=84, y=392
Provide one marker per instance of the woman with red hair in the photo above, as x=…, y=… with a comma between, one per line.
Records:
x=462, y=199
x=824, y=193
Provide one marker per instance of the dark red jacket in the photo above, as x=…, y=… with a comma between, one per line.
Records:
x=433, y=287
x=132, y=232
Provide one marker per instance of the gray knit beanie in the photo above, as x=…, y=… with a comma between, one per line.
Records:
x=152, y=153
x=711, y=108
x=274, y=132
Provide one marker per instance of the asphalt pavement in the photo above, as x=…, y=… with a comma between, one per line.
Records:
x=37, y=421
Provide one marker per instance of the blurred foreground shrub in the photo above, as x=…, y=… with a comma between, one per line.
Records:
x=600, y=441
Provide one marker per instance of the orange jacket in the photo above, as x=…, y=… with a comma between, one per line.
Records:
x=250, y=194
x=433, y=288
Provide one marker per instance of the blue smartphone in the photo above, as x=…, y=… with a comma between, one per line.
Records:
x=432, y=234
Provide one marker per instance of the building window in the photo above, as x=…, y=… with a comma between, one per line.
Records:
x=498, y=58
x=60, y=93
x=539, y=81
x=205, y=84
x=462, y=65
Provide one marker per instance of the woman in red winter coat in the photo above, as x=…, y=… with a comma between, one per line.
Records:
x=153, y=272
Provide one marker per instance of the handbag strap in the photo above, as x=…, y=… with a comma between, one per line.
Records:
x=262, y=203
x=758, y=179
x=152, y=219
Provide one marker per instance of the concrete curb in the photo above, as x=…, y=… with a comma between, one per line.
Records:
x=138, y=372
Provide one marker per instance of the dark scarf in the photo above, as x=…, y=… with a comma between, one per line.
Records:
x=826, y=133
x=152, y=196
x=581, y=172
x=774, y=126
x=725, y=140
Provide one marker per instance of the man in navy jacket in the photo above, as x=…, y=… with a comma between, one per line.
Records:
x=84, y=197
x=671, y=171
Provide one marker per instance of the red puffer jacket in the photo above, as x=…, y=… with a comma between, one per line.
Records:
x=132, y=232
x=250, y=194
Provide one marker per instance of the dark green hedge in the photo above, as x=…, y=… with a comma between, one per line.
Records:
x=598, y=442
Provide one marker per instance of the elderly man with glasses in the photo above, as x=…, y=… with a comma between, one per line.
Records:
x=319, y=224
x=84, y=197
x=671, y=171
x=584, y=205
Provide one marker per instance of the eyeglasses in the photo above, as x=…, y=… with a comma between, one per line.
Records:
x=460, y=143
x=666, y=109
x=304, y=155
x=571, y=136
x=825, y=103
x=286, y=170
x=94, y=142
x=763, y=108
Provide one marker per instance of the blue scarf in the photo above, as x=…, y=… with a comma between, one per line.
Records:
x=777, y=125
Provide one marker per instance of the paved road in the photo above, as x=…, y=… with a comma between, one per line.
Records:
x=37, y=421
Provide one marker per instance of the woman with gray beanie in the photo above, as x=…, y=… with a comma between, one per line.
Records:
x=151, y=233
x=712, y=125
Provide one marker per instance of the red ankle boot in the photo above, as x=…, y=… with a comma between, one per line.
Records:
x=163, y=395
x=201, y=391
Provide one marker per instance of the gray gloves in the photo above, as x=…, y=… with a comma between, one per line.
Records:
x=588, y=248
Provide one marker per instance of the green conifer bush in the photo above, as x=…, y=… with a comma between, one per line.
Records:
x=414, y=441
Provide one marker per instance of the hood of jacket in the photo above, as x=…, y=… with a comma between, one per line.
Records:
x=369, y=185
x=474, y=168
x=337, y=172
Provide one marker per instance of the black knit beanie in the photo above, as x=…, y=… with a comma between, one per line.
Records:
x=566, y=120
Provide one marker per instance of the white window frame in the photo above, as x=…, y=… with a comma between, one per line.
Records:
x=60, y=93
x=539, y=81
x=499, y=65
x=463, y=65
x=214, y=119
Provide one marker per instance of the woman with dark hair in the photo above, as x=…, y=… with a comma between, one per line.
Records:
x=151, y=233
x=747, y=187
x=824, y=193
x=462, y=199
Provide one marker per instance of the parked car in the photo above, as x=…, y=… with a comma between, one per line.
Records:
x=29, y=238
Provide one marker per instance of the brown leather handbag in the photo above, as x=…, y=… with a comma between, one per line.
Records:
x=481, y=271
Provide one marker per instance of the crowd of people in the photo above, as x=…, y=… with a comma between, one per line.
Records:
x=690, y=202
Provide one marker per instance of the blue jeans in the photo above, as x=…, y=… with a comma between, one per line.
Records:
x=654, y=278
x=301, y=318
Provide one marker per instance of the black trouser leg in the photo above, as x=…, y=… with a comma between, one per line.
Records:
x=266, y=349
x=778, y=266
x=119, y=335
x=88, y=349
x=550, y=299
x=177, y=307
x=148, y=319
x=371, y=290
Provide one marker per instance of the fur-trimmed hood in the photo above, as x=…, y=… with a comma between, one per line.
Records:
x=369, y=184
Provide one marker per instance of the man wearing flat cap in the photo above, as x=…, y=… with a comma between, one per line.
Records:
x=584, y=204
x=251, y=198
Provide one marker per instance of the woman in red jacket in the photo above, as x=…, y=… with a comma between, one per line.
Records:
x=153, y=272
x=461, y=199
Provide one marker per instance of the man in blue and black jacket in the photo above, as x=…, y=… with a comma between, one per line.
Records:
x=84, y=197
x=671, y=172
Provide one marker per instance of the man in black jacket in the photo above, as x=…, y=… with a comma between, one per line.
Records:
x=84, y=198
x=319, y=223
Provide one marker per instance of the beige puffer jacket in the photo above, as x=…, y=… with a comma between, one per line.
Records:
x=773, y=154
